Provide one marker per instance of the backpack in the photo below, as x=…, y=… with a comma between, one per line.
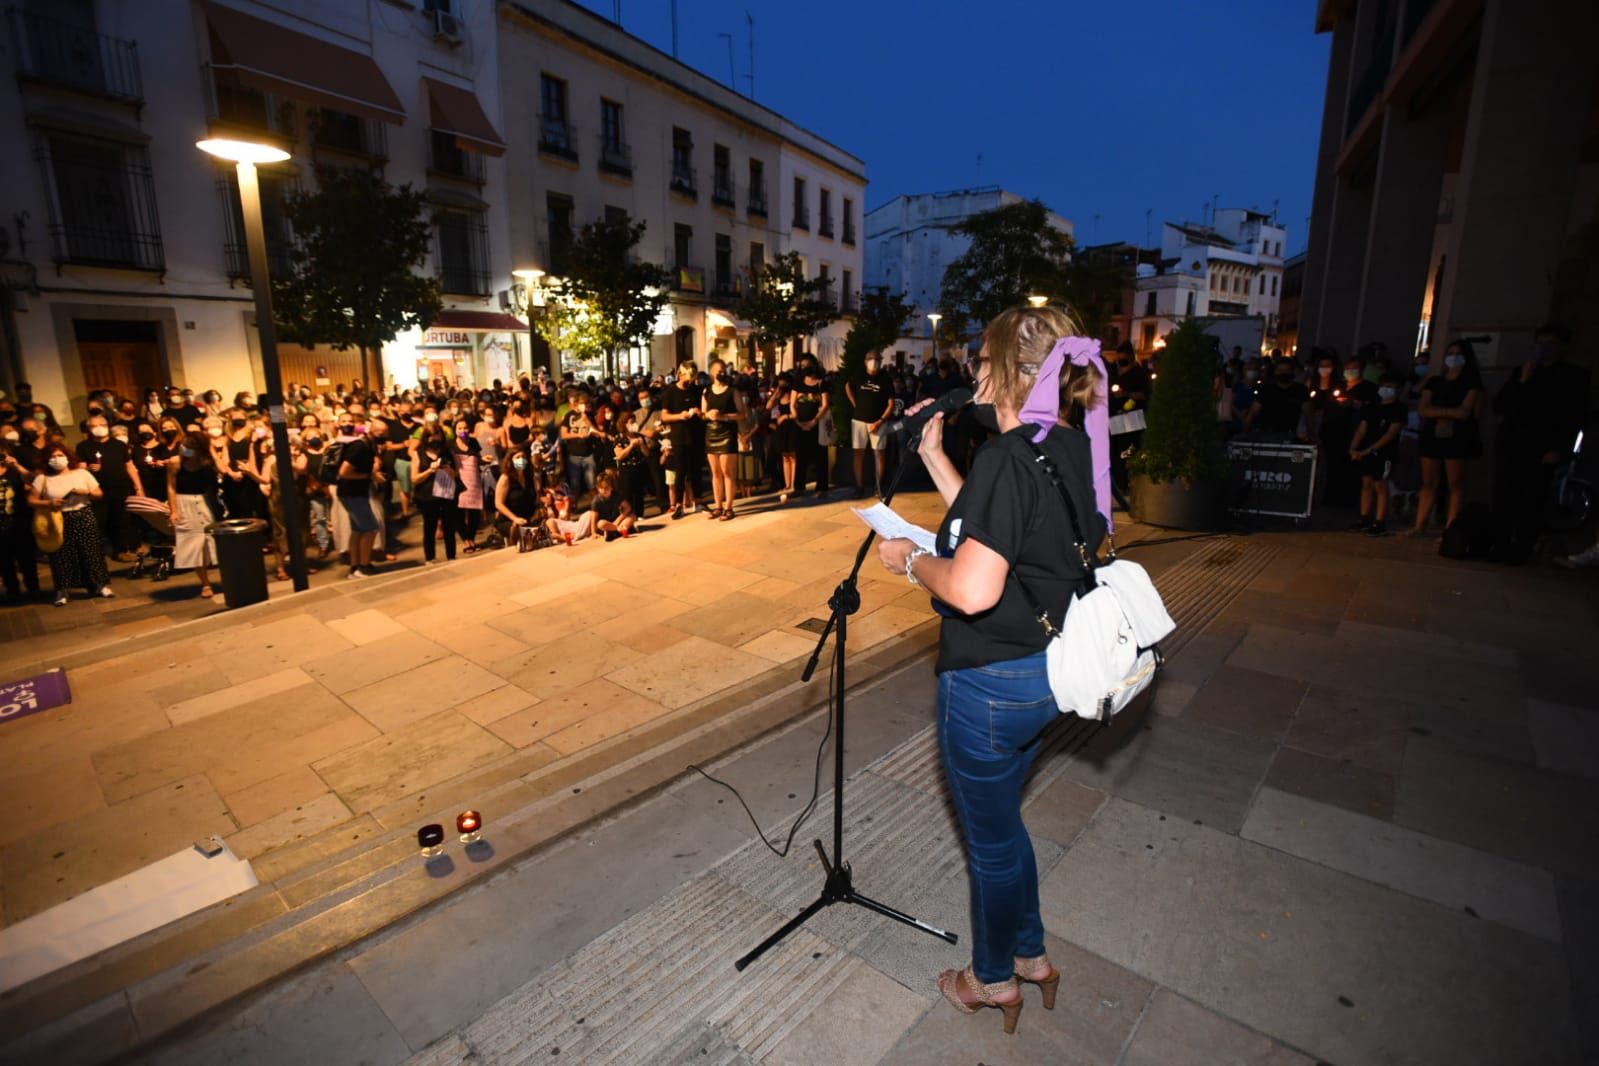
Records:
x=327, y=468
x=1105, y=652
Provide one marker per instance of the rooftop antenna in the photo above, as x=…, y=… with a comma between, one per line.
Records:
x=751, y=19
x=732, y=74
x=1149, y=222
x=674, y=29
x=1275, y=204
x=979, y=181
x=1096, y=227
x=1215, y=202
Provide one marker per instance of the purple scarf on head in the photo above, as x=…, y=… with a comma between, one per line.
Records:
x=1042, y=409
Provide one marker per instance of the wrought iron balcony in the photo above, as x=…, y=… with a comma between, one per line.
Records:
x=451, y=160
x=103, y=211
x=557, y=137
x=722, y=190
x=683, y=180
x=230, y=102
x=757, y=203
x=463, y=253
x=849, y=232
x=339, y=131
x=802, y=218
x=616, y=157
x=826, y=228
x=59, y=53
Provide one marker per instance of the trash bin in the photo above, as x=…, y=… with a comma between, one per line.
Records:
x=239, y=544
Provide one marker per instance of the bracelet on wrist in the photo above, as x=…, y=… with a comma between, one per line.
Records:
x=910, y=562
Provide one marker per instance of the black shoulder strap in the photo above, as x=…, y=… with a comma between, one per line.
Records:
x=1084, y=552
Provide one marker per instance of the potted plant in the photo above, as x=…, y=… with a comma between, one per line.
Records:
x=1179, y=473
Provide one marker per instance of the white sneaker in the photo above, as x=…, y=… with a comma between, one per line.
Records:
x=1581, y=559
x=61, y=599
x=354, y=575
x=105, y=592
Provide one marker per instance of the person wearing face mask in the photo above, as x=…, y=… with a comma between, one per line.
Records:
x=785, y=433
x=650, y=431
x=811, y=404
x=241, y=495
x=182, y=409
x=680, y=410
x=194, y=498
x=318, y=498
x=108, y=460
x=1375, y=447
x=721, y=407
x=578, y=437
x=19, y=569
x=1280, y=406
x=1002, y=546
x=153, y=408
x=1449, y=406
x=468, y=456
x=63, y=485
x=516, y=498
x=436, y=482
x=25, y=439
x=870, y=404
x=1541, y=410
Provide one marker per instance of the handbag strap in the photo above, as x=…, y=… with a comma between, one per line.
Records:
x=1052, y=472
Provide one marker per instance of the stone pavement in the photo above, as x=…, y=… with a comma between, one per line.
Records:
x=1354, y=825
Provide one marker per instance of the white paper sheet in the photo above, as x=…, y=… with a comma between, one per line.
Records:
x=890, y=525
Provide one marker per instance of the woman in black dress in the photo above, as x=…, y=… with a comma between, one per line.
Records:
x=1450, y=403
x=627, y=449
x=722, y=407
x=810, y=405
x=785, y=441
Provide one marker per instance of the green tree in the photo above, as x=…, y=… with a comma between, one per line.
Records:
x=608, y=299
x=877, y=325
x=783, y=304
x=354, y=282
x=1181, y=442
x=1015, y=253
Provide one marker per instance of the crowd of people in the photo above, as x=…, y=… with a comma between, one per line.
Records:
x=532, y=462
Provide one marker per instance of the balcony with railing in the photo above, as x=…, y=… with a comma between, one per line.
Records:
x=557, y=137
x=802, y=217
x=462, y=249
x=825, y=228
x=757, y=203
x=275, y=190
x=849, y=230
x=616, y=157
x=55, y=52
x=347, y=134
x=102, y=207
x=449, y=159
x=232, y=104
x=684, y=182
x=848, y=304
x=722, y=190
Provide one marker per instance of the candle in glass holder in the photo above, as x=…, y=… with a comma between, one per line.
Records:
x=430, y=838
x=469, y=824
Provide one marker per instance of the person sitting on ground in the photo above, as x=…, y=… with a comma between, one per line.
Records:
x=1375, y=447
x=567, y=523
x=614, y=516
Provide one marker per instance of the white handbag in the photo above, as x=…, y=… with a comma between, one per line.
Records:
x=1105, y=652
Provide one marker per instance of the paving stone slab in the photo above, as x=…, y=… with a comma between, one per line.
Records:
x=1246, y=701
x=1344, y=727
x=1340, y=782
x=1566, y=738
x=1343, y=969
x=1177, y=1032
x=1493, y=888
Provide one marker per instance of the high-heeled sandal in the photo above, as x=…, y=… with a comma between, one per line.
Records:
x=1026, y=967
x=949, y=985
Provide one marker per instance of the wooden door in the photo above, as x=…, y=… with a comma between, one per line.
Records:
x=127, y=368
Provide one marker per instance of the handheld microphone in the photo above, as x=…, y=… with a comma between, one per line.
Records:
x=910, y=429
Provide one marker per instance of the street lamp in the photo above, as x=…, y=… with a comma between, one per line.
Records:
x=1038, y=301
x=529, y=277
x=244, y=155
x=933, y=318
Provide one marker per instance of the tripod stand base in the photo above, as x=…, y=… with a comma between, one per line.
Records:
x=838, y=888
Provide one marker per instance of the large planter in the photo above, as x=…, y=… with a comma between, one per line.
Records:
x=1197, y=506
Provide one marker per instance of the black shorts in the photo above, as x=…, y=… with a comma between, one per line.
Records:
x=1377, y=466
x=685, y=460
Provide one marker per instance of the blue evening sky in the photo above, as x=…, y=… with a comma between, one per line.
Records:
x=1109, y=108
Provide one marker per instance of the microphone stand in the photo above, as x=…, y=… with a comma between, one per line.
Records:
x=839, y=886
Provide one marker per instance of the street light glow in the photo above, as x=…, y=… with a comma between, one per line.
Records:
x=1038, y=301
x=528, y=273
x=235, y=151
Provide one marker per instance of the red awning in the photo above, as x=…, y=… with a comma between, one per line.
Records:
x=489, y=321
x=456, y=111
x=276, y=59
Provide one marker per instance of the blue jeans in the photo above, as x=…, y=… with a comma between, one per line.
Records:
x=580, y=474
x=989, y=722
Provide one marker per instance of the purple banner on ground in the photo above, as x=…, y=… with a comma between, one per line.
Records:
x=18, y=699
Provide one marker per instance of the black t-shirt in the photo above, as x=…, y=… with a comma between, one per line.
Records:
x=1008, y=504
x=579, y=446
x=872, y=397
x=1447, y=393
x=151, y=463
x=1362, y=394
x=112, y=455
x=1377, y=418
x=674, y=401
x=187, y=415
x=1135, y=379
x=607, y=508
x=359, y=454
x=1280, y=407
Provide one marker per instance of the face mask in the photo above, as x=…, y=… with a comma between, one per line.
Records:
x=1386, y=394
x=96, y=409
x=101, y=432
x=145, y=436
x=519, y=462
x=1325, y=371
x=1454, y=362
x=987, y=416
x=187, y=453
x=644, y=404
x=461, y=430
x=1351, y=376
x=259, y=434
x=1422, y=369
x=431, y=416
x=174, y=401
x=58, y=463
x=248, y=401
x=214, y=431
x=313, y=440
x=237, y=423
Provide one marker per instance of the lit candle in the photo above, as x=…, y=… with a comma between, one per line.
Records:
x=468, y=824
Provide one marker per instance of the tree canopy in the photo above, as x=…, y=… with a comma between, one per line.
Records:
x=608, y=299
x=354, y=281
x=1015, y=253
x=783, y=305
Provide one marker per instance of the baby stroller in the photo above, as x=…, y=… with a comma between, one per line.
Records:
x=155, y=553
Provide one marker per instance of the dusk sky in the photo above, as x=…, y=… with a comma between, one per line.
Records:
x=1106, y=108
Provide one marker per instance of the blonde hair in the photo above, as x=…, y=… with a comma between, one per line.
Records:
x=1015, y=345
x=1079, y=393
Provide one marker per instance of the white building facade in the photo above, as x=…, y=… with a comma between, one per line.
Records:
x=602, y=122
x=126, y=266
x=1230, y=268
x=910, y=242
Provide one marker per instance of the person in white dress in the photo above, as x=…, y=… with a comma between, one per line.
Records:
x=192, y=494
x=64, y=486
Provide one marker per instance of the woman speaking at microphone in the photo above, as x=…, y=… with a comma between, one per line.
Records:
x=1008, y=528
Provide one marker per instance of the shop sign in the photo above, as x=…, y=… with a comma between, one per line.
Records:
x=446, y=338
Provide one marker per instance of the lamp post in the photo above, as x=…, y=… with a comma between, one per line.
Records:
x=244, y=155
x=529, y=277
x=933, y=318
